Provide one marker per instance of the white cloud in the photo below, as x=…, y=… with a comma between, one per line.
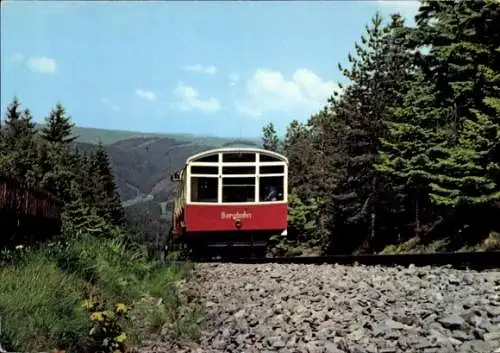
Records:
x=110, y=104
x=42, y=65
x=269, y=90
x=189, y=99
x=233, y=79
x=147, y=95
x=200, y=69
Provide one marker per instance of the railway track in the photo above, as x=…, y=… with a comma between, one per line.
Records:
x=472, y=260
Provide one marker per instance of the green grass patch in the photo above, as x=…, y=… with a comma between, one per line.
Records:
x=39, y=306
x=417, y=245
x=41, y=295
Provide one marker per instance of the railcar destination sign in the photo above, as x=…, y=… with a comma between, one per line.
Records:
x=237, y=215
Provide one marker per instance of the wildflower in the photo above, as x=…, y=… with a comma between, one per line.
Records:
x=87, y=304
x=121, y=308
x=97, y=316
x=121, y=338
x=19, y=247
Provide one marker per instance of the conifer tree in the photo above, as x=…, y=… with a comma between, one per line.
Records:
x=18, y=158
x=107, y=199
x=270, y=138
x=58, y=127
x=405, y=153
x=462, y=65
x=377, y=75
x=296, y=148
x=11, y=123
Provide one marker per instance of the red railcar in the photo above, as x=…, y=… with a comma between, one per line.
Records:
x=231, y=197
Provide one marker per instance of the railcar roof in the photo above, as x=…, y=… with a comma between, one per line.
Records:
x=236, y=149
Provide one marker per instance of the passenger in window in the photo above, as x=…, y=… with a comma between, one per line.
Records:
x=271, y=193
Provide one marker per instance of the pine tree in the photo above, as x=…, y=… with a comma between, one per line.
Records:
x=406, y=154
x=323, y=130
x=18, y=158
x=377, y=75
x=11, y=124
x=58, y=173
x=59, y=167
x=107, y=199
x=58, y=127
x=296, y=147
x=463, y=66
x=270, y=138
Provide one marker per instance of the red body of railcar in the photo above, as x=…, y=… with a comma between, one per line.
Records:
x=231, y=196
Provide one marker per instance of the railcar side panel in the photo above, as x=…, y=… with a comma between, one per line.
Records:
x=209, y=218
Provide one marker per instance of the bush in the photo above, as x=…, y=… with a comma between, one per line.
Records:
x=304, y=227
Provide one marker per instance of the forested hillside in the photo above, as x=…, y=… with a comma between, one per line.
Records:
x=409, y=153
x=108, y=137
x=142, y=165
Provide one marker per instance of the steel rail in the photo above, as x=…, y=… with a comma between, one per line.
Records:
x=472, y=260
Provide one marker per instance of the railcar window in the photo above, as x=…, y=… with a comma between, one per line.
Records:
x=272, y=169
x=238, y=170
x=238, y=189
x=204, y=170
x=233, y=157
x=204, y=189
x=211, y=158
x=271, y=188
x=267, y=158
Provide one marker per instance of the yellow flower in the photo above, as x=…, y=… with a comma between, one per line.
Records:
x=121, y=308
x=97, y=316
x=121, y=338
x=87, y=304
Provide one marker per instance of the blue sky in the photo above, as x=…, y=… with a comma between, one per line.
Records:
x=211, y=68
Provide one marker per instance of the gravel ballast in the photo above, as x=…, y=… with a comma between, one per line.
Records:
x=351, y=309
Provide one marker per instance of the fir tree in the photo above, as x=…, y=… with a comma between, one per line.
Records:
x=107, y=199
x=11, y=124
x=463, y=66
x=19, y=156
x=296, y=148
x=58, y=127
x=270, y=138
x=377, y=75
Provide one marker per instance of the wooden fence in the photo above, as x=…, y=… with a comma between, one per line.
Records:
x=26, y=214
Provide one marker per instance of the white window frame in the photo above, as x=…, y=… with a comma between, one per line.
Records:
x=220, y=175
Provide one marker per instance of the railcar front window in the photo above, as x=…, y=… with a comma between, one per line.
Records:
x=204, y=189
x=209, y=158
x=236, y=157
x=271, y=188
x=238, y=189
x=268, y=158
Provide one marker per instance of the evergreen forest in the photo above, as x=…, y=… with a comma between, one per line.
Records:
x=406, y=158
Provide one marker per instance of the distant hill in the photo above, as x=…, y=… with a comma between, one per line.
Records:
x=108, y=137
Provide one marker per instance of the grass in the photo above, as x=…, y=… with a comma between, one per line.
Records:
x=41, y=295
x=39, y=306
x=417, y=245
